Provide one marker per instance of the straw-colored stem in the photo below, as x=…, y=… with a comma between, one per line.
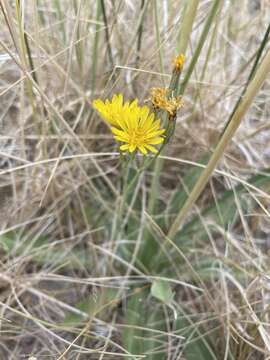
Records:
x=60, y=16
x=79, y=47
x=107, y=34
x=159, y=45
x=139, y=40
x=252, y=89
x=25, y=54
x=95, y=48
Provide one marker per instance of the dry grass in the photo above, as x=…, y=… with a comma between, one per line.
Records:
x=71, y=280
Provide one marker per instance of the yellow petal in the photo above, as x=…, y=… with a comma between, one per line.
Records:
x=98, y=104
x=143, y=150
x=151, y=148
x=120, y=133
x=121, y=139
x=132, y=148
x=124, y=147
x=134, y=103
x=155, y=141
x=154, y=134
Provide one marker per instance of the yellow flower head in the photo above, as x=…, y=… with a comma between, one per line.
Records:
x=131, y=124
x=179, y=61
x=160, y=100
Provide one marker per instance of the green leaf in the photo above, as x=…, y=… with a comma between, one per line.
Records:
x=7, y=242
x=162, y=291
x=132, y=335
x=142, y=318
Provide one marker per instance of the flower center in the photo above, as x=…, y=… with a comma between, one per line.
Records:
x=136, y=137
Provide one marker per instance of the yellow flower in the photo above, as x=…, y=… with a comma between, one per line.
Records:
x=179, y=61
x=131, y=124
x=160, y=100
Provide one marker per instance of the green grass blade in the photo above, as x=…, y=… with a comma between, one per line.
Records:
x=189, y=16
x=201, y=42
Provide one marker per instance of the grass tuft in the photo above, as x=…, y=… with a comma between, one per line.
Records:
x=161, y=257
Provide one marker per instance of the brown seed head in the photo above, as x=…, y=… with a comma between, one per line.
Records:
x=161, y=101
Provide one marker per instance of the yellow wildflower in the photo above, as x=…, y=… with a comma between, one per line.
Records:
x=179, y=61
x=131, y=124
x=160, y=100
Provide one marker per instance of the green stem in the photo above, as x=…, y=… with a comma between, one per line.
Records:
x=139, y=42
x=160, y=161
x=199, y=47
x=160, y=52
x=29, y=55
x=209, y=51
x=190, y=12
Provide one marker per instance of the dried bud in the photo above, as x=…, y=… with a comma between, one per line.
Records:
x=161, y=101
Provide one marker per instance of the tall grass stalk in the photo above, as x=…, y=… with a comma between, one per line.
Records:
x=189, y=16
x=206, y=63
x=139, y=40
x=72, y=48
x=19, y=37
x=60, y=16
x=158, y=41
x=95, y=48
x=107, y=34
